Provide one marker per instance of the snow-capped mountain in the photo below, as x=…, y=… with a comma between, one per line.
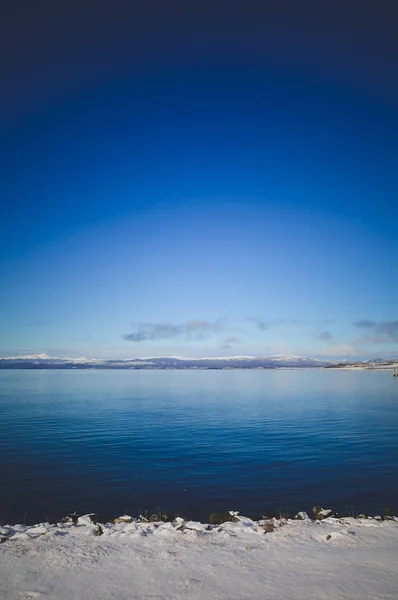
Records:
x=276, y=361
x=44, y=361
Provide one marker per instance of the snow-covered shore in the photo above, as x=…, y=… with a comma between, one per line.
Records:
x=335, y=558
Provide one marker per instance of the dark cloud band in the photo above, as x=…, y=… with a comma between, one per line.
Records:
x=191, y=330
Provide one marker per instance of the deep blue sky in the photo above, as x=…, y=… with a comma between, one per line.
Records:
x=199, y=179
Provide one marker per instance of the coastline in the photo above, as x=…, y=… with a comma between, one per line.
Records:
x=301, y=559
x=181, y=363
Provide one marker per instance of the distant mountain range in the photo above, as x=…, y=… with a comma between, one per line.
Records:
x=276, y=361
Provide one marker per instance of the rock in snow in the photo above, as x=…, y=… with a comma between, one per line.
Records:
x=123, y=519
x=321, y=513
x=332, y=559
x=303, y=516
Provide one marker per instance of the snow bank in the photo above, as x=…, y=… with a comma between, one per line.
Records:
x=333, y=558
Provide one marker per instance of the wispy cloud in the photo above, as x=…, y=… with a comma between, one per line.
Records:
x=365, y=324
x=282, y=323
x=323, y=335
x=191, y=330
x=389, y=328
x=383, y=332
x=229, y=342
x=259, y=322
x=232, y=340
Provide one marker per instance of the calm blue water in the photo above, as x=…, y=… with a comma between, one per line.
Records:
x=196, y=441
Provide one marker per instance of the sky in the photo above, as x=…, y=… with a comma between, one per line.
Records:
x=199, y=178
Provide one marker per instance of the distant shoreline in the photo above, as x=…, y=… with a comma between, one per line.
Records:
x=177, y=363
x=216, y=518
x=67, y=367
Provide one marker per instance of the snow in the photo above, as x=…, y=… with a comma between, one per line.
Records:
x=369, y=366
x=332, y=559
x=52, y=359
x=279, y=361
x=39, y=356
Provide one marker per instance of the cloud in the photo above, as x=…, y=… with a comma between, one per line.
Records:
x=259, y=322
x=231, y=340
x=154, y=331
x=365, y=324
x=383, y=332
x=191, y=330
x=389, y=328
x=282, y=323
x=323, y=335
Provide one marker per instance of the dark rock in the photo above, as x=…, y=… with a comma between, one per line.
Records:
x=328, y=537
x=215, y=519
x=70, y=518
x=268, y=527
x=159, y=516
x=316, y=510
x=219, y=518
x=321, y=513
x=155, y=517
x=123, y=519
x=96, y=518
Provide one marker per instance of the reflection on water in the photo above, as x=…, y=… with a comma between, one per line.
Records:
x=196, y=441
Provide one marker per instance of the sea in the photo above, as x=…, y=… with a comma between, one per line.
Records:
x=194, y=442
